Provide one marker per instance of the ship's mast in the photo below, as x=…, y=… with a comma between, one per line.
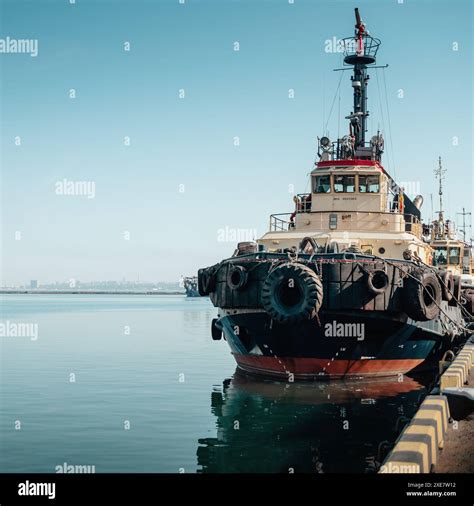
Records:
x=360, y=52
x=439, y=174
x=359, y=80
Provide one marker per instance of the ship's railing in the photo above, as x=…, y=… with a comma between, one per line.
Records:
x=286, y=221
x=370, y=46
x=413, y=225
x=364, y=221
x=365, y=151
x=281, y=222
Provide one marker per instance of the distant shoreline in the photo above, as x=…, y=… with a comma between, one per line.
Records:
x=89, y=292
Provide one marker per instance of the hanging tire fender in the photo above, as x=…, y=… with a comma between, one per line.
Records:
x=422, y=296
x=468, y=302
x=206, y=281
x=456, y=290
x=237, y=277
x=216, y=329
x=377, y=281
x=447, y=285
x=292, y=292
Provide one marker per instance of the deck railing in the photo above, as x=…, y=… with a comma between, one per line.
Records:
x=285, y=221
x=413, y=225
x=281, y=222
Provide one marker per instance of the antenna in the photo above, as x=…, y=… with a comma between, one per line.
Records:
x=463, y=228
x=439, y=174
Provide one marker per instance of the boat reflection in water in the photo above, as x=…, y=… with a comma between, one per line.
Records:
x=277, y=427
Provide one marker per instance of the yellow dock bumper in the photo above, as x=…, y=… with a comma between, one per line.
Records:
x=416, y=450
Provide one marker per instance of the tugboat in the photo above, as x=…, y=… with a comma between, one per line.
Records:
x=450, y=254
x=190, y=284
x=343, y=286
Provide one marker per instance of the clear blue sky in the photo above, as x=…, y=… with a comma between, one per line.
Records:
x=190, y=141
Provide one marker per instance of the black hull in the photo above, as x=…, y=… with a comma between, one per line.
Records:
x=357, y=329
x=312, y=350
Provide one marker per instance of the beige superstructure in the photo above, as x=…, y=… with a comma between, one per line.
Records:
x=353, y=204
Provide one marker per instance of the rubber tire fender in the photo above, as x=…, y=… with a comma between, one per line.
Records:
x=374, y=279
x=469, y=302
x=216, y=330
x=206, y=281
x=237, y=277
x=422, y=296
x=447, y=285
x=292, y=292
x=456, y=290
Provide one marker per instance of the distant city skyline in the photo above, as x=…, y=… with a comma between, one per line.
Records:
x=145, y=138
x=33, y=284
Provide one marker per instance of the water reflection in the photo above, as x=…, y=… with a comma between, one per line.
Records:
x=197, y=316
x=335, y=426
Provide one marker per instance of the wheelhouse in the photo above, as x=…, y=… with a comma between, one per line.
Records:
x=452, y=255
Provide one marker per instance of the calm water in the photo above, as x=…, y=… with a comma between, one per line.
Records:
x=154, y=393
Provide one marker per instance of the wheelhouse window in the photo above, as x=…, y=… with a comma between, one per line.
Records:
x=322, y=184
x=344, y=184
x=454, y=256
x=369, y=184
x=440, y=256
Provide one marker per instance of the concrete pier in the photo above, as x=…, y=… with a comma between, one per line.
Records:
x=457, y=455
x=440, y=437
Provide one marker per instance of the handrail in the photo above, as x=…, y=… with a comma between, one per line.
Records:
x=277, y=223
x=285, y=221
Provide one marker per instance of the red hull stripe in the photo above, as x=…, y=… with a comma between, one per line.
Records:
x=303, y=366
